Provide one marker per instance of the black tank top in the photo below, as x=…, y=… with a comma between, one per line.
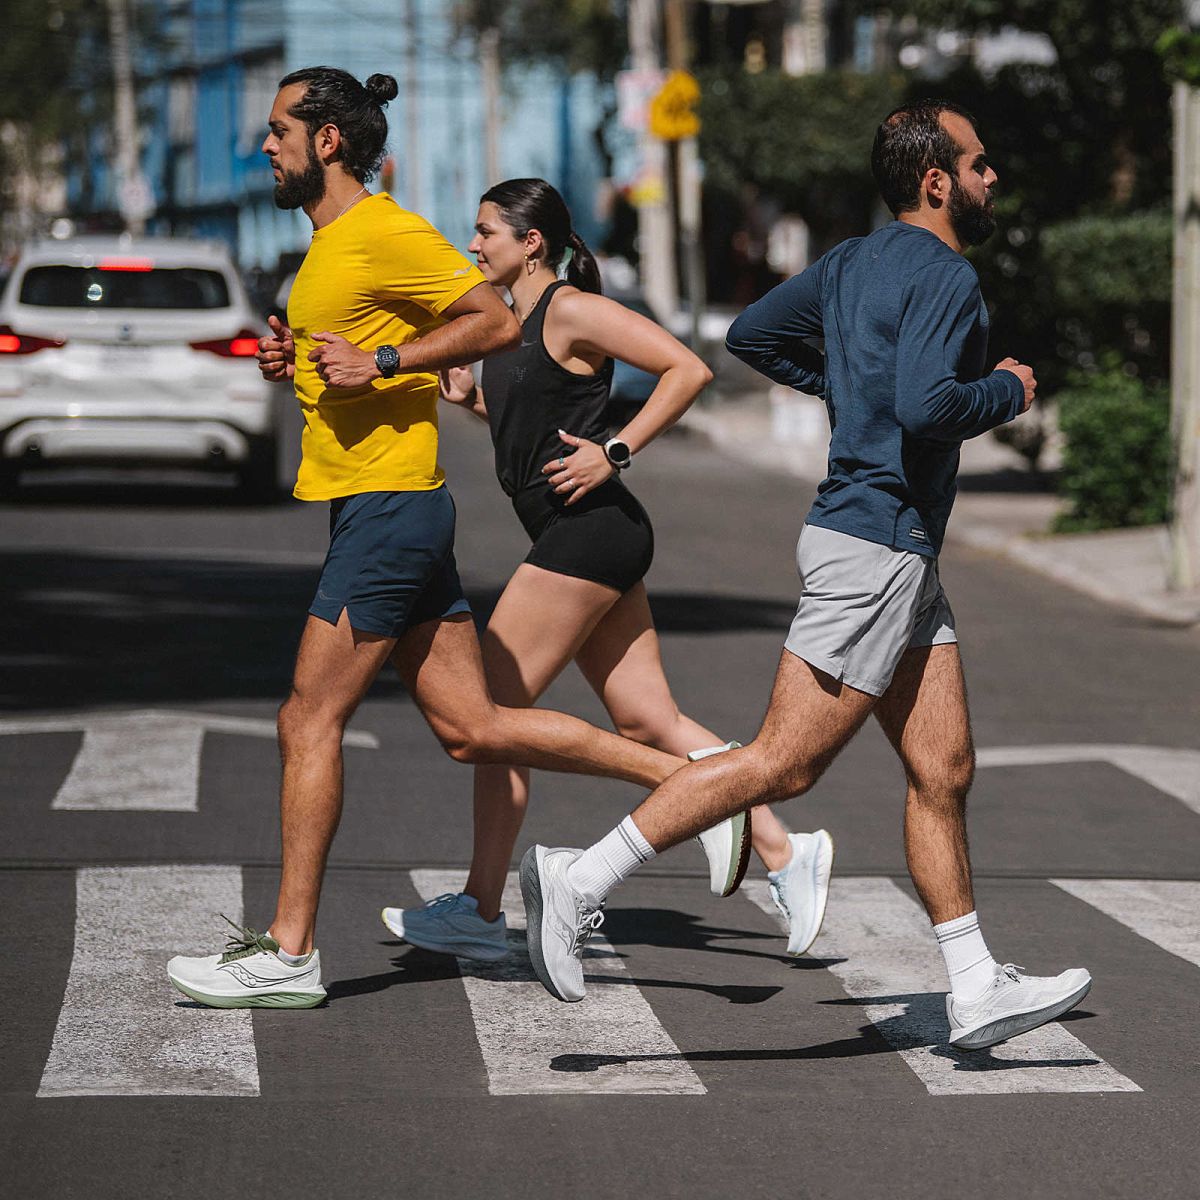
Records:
x=530, y=396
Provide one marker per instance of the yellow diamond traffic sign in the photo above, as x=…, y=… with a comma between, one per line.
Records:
x=672, y=110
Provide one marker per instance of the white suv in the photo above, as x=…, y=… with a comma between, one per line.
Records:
x=139, y=352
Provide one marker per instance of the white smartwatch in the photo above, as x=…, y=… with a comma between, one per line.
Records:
x=618, y=453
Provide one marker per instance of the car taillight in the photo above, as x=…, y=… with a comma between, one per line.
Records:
x=12, y=342
x=243, y=344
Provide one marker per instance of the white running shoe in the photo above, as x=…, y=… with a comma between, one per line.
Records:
x=1015, y=1003
x=250, y=974
x=801, y=889
x=727, y=844
x=558, y=921
x=451, y=924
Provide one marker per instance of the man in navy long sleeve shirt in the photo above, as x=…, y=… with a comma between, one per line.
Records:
x=905, y=332
x=903, y=377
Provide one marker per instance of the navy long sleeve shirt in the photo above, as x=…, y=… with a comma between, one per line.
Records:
x=905, y=332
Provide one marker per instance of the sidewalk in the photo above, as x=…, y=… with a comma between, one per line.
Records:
x=999, y=509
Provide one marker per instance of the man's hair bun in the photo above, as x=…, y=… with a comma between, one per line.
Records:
x=382, y=88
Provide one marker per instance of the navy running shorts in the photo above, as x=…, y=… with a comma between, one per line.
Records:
x=390, y=564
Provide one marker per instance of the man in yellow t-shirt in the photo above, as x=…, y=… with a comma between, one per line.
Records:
x=381, y=304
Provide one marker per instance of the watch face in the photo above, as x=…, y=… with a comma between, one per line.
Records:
x=618, y=453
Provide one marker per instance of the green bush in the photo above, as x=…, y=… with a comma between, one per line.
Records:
x=1117, y=460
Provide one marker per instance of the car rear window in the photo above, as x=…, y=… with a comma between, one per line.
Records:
x=125, y=287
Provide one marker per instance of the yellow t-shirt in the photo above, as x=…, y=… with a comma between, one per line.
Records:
x=376, y=276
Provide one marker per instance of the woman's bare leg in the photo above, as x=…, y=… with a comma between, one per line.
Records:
x=540, y=622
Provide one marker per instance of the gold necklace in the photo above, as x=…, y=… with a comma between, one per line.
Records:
x=534, y=305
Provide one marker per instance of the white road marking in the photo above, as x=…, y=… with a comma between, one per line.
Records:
x=123, y=1030
x=1163, y=911
x=533, y=1044
x=889, y=960
x=1173, y=771
x=146, y=761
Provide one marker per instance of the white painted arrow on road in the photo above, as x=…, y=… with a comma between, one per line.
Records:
x=146, y=761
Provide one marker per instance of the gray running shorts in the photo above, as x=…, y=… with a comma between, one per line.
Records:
x=862, y=605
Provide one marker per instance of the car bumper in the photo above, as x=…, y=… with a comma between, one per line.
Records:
x=117, y=440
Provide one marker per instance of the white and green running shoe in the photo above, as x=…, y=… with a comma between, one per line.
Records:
x=250, y=974
x=727, y=844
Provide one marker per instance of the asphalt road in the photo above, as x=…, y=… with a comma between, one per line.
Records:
x=704, y=1063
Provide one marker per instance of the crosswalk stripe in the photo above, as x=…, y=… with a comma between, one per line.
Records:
x=1163, y=911
x=532, y=1044
x=150, y=764
x=1170, y=769
x=123, y=1030
x=883, y=953
x=143, y=761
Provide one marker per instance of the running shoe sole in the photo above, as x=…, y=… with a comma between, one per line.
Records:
x=1004, y=1028
x=743, y=855
x=824, y=871
x=282, y=999
x=531, y=893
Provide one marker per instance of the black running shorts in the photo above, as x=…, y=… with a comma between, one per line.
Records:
x=605, y=537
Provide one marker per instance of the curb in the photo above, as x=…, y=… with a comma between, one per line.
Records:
x=1033, y=555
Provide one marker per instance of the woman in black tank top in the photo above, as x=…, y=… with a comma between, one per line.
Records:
x=579, y=593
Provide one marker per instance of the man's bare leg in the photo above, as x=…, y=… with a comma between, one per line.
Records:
x=334, y=668
x=924, y=714
x=810, y=718
x=441, y=665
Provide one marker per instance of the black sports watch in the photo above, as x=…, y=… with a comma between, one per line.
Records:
x=387, y=359
x=618, y=453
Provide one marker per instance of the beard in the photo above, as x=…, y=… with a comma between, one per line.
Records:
x=298, y=189
x=973, y=221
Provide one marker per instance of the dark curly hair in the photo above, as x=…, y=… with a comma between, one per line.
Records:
x=334, y=97
x=908, y=143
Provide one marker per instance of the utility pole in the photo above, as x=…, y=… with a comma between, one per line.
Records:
x=489, y=56
x=412, y=115
x=656, y=226
x=134, y=198
x=688, y=181
x=1185, y=343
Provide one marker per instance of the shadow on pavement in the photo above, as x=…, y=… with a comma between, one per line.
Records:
x=907, y=1031
x=684, y=931
x=83, y=630
x=417, y=966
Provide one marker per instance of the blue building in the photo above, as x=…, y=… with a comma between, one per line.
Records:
x=207, y=72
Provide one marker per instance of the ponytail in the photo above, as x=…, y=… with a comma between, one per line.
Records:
x=578, y=267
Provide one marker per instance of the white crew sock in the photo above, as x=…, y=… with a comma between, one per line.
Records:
x=969, y=963
x=609, y=862
x=292, y=960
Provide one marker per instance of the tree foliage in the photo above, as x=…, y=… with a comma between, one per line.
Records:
x=1109, y=76
x=39, y=61
x=578, y=35
x=803, y=140
x=1117, y=463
